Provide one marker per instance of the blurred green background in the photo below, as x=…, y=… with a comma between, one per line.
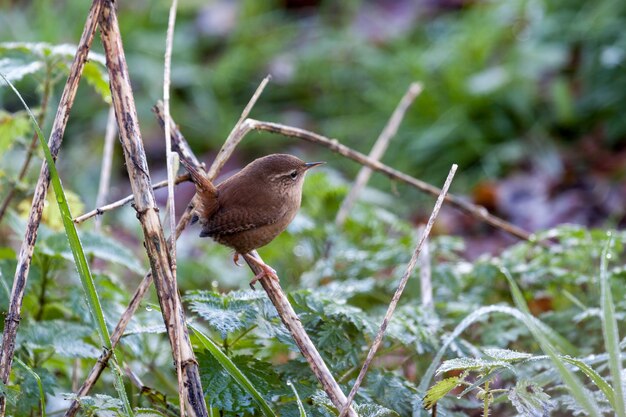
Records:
x=519, y=86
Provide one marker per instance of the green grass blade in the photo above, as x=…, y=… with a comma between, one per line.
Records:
x=300, y=405
x=42, y=395
x=232, y=370
x=610, y=332
x=595, y=377
x=575, y=386
x=77, y=250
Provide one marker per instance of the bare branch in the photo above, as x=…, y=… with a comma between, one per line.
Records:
x=307, y=348
x=122, y=202
x=426, y=283
x=171, y=204
x=12, y=318
x=378, y=150
x=396, y=296
x=234, y=137
x=154, y=239
x=107, y=160
x=334, y=145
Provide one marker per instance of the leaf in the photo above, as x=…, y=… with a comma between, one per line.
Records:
x=374, y=410
x=26, y=58
x=507, y=355
x=16, y=69
x=439, y=390
x=600, y=382
x=94, y=244
x=610, y=331
x=226, y=314
x=97, y=77
x=12, y=126
x=530, y=400
x=298, y=400
x=575, y=386
x=390, y=390
x=149, y=412
x=220, y=389
x=66, y=338
x=220, y=367
x=37, y=379
x=10, y=393
x=471, y=364
x=100, y=405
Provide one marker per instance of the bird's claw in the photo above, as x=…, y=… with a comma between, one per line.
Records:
x=236, y=259
x=266, y=271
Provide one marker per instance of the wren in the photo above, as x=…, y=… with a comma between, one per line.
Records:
x=249, y=209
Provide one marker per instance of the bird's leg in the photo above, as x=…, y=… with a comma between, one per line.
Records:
x=266, y=270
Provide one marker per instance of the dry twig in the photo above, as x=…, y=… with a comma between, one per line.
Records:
x=107, y=161
x=307, y=348
x=122, y=202
x=378, y=151
x=12, y=318
x=396, y=296
x=154, y=239
x=334, y=145
x=171, y=204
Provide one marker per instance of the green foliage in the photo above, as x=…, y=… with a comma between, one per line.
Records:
x=504, y=82
x=21, y=59
x=530, y=400
x=12, y=127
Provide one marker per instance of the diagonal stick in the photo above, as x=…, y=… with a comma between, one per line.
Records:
x=378, y=150
x=396, y=297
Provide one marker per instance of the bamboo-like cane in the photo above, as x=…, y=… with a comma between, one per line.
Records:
x=147, y=212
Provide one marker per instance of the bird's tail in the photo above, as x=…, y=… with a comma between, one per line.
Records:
x=207, y=203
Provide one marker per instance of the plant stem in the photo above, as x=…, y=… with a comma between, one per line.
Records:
x=486, y=400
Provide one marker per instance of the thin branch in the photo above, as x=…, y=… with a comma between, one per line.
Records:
x=234, y=136
x=378, y=150
x=171, y=204
x=12, y=318
x=107, y=161
x=45, y=99
x=426, y=283
x=180, y=146
x=145, y=205
x=396, y=296
x=123, y=201
x=291, y=321
x=474, y=210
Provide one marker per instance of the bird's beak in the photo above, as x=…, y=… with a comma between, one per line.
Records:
x=310, y=165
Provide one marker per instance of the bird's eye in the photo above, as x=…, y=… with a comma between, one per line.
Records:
x=294, y=175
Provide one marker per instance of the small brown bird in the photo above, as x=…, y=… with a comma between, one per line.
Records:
x=249, y=209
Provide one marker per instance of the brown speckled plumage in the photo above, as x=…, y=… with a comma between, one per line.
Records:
x=251, y=208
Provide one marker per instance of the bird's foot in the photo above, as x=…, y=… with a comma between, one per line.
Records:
x=266, y=270
x=236, y=259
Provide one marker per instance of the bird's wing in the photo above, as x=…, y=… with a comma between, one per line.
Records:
x=240, y=209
